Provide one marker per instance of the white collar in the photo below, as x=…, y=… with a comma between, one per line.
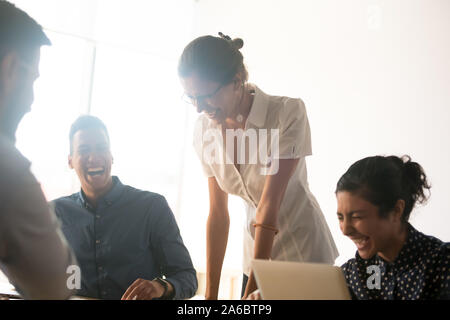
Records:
x=258, y=111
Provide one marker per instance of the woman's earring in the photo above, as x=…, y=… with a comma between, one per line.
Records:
x=240, y=117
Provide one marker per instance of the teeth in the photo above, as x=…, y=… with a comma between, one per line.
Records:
x=360, y=242
x=95, y=171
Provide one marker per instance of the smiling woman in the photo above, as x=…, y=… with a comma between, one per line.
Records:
x=375, y=199
x=276, y=193
x=208, y=69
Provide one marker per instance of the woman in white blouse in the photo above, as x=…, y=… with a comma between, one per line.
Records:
x=252, y=145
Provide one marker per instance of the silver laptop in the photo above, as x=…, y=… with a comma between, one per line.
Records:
x=281, y=280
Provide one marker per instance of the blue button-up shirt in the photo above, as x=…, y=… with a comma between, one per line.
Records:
x=131, y=234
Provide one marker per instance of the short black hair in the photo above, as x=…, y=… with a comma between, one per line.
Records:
x=19, y=32
x=84, y=122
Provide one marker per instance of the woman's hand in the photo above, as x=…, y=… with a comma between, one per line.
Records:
x=267, y=213
x=255, y=295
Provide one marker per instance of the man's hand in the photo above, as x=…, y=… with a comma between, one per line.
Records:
x=143, y=290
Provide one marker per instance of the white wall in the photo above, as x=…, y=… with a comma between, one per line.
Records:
x=375, y=77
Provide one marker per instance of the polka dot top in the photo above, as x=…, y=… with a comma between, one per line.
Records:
x=420, y=271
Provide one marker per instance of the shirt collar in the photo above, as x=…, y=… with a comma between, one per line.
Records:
x=406, y=252
x=109, y=198
x=258, y=111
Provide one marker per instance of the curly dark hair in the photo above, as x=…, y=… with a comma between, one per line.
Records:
x=384, y=180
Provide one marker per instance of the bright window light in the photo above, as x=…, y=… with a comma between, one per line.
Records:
x=117, y=60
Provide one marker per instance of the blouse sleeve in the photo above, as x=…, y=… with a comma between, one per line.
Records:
x=294, y=131
x=198, y=146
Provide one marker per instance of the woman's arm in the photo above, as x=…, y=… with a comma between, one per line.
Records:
x=216, y=237
x=267, y=213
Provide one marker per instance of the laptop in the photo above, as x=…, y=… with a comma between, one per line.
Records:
x=281, y=280
x=7, y=291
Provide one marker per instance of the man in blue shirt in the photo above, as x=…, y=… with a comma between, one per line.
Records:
x=126, y=240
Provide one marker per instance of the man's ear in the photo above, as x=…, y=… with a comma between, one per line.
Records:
x=69, y=161
x=8, y=75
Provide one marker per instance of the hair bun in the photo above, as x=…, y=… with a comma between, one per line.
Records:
x=237, y=43
x=415, y=179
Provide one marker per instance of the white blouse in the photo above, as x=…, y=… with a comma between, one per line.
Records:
x=277, y=127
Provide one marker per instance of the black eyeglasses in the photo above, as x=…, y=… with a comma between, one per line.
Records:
x=199, y=99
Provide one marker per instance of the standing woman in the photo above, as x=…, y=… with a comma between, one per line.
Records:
x=284, y=220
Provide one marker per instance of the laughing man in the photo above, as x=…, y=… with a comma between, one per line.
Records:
x=126, y=240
